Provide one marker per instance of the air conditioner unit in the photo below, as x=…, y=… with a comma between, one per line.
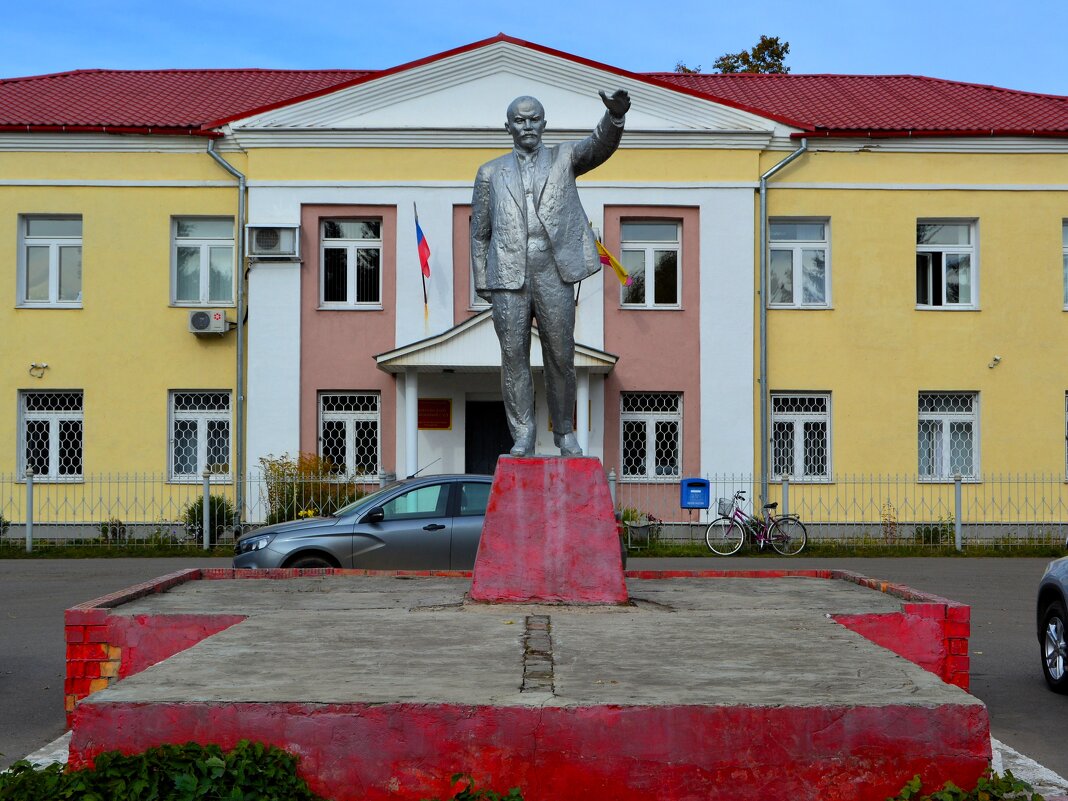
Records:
x=273, y=241
x=208, y=321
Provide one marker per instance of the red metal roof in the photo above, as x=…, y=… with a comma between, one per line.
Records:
x=194, y=101
x=885, y=105
x=156, y=101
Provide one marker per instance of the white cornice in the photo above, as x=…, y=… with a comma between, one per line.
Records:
x=489, y=138
x=930, y=144
x=107, y=143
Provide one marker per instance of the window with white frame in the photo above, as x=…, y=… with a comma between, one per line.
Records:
x=948, y=434
x=801, y=435
x=1064, y=256
x=651, y=435
x=798, y=264
x=651, y=253
x=946, y=264
x=51, y=428
x=351, y=264
x=202, y=261
x=50, y=261
x=200, y=435
x=349, y=432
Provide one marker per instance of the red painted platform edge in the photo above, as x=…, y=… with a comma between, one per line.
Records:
x=375, y=752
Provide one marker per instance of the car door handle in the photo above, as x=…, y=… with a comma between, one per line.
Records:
x=433, y=527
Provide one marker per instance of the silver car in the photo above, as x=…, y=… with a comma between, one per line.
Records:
x=428, y=523
x=1052, y=592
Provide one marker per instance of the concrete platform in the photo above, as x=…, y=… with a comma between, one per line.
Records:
x=706, y=686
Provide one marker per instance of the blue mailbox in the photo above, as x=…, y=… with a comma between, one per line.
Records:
x=694, y=494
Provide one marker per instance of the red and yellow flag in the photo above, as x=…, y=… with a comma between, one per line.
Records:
x=608, y=260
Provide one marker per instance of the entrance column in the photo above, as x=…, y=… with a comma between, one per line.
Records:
x=582, y=412
x=411, y=421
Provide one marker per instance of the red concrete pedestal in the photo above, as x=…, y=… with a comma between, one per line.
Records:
x=550, y=535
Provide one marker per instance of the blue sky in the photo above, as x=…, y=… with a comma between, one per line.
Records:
x=1019, y=46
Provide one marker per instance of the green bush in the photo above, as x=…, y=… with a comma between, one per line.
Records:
x=113, y=530
x=167, y=773
x=3, y=525
x=221, y=518
x=470, y=793
x=308, y=486
x=991, y=787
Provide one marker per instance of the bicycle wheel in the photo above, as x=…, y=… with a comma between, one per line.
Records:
x=724, y=536
x=788, y=536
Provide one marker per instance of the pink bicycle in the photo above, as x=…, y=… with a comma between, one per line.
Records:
x=726, y=534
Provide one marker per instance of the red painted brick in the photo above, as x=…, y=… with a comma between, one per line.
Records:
x=958, y=664
x=96, y=634
x=959, y=613
x=74, y=633
x=958, y=646
x=925, y=610
x=957, y=629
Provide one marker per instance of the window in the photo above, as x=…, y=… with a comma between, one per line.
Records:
x=349, y=432
x=351, y=261
x=418, y=503
x=51, y=429
x=948, y=435
x=651, y=254
x=50, y=272
x=474, y=498
x=200, y=435
x=798, y=264
x=945, y=264
x=1064, y=248
x=202, y=259
x=651, y=430
x=801, y=435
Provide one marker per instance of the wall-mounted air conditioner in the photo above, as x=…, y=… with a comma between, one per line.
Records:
x=208, y=321
x=273, y=241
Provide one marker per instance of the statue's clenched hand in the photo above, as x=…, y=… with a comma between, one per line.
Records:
x=618, y=104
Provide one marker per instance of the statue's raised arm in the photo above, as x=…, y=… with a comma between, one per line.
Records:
x=618, y=104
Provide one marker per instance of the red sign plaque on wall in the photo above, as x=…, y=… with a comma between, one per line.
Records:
x=435, y=414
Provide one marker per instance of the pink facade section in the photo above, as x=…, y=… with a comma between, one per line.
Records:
x=337, y=346
x=670, y=357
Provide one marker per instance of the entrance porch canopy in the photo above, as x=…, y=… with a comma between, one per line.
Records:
x=472, y=347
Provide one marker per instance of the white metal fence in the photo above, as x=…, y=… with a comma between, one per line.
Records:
x=152, y=509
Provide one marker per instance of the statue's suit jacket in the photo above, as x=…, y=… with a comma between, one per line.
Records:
x=499, y=211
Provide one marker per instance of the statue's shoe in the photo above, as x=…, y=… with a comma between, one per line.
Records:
x=568, y=444
x=524, y=445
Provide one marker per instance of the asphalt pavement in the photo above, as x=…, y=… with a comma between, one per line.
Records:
x=1005, y=667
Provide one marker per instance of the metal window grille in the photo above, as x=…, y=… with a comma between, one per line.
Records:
x=798, y=262
x=349, y=426
x=200, y=435
x=945, y=263
x=351, y=262
x=948, y=434
x=51, y=255
x=52, y=434
x=652, y=255
x=202, y=255
x=651, y=435
x=801, y=433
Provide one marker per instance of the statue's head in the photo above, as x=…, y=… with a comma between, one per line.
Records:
x=525, y=122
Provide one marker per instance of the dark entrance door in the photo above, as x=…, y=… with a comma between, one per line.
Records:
x=486, y=436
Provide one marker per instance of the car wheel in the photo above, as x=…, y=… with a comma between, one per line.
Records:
x=1054, y=654
x=311, y=561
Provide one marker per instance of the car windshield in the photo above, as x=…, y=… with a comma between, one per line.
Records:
x=367, y=501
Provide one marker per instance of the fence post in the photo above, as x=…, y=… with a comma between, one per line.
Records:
x=612, y=485
x=206, y=509
x=956, y=510
x=29, y=510
x=786, y=494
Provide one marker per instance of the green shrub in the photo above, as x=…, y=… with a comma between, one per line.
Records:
x=470, y=793
x=3, y=525
x=221, y=518
x=941, y=533
x=991, y=787
x=167, y=773
x=113, y=530
x=307, y=486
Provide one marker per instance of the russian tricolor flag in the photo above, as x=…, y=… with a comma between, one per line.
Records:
x=424, y=249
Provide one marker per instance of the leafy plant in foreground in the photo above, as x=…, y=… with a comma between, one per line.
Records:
x=991, y=787
x=470, y=793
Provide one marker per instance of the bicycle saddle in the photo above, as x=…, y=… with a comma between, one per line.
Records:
x=772, y=505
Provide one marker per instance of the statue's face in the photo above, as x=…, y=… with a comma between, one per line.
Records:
x=525, y=122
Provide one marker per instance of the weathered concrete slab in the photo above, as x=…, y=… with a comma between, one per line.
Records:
x=740, y=688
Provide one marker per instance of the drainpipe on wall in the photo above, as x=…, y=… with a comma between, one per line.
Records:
x=764, y=316
x=239, y=416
